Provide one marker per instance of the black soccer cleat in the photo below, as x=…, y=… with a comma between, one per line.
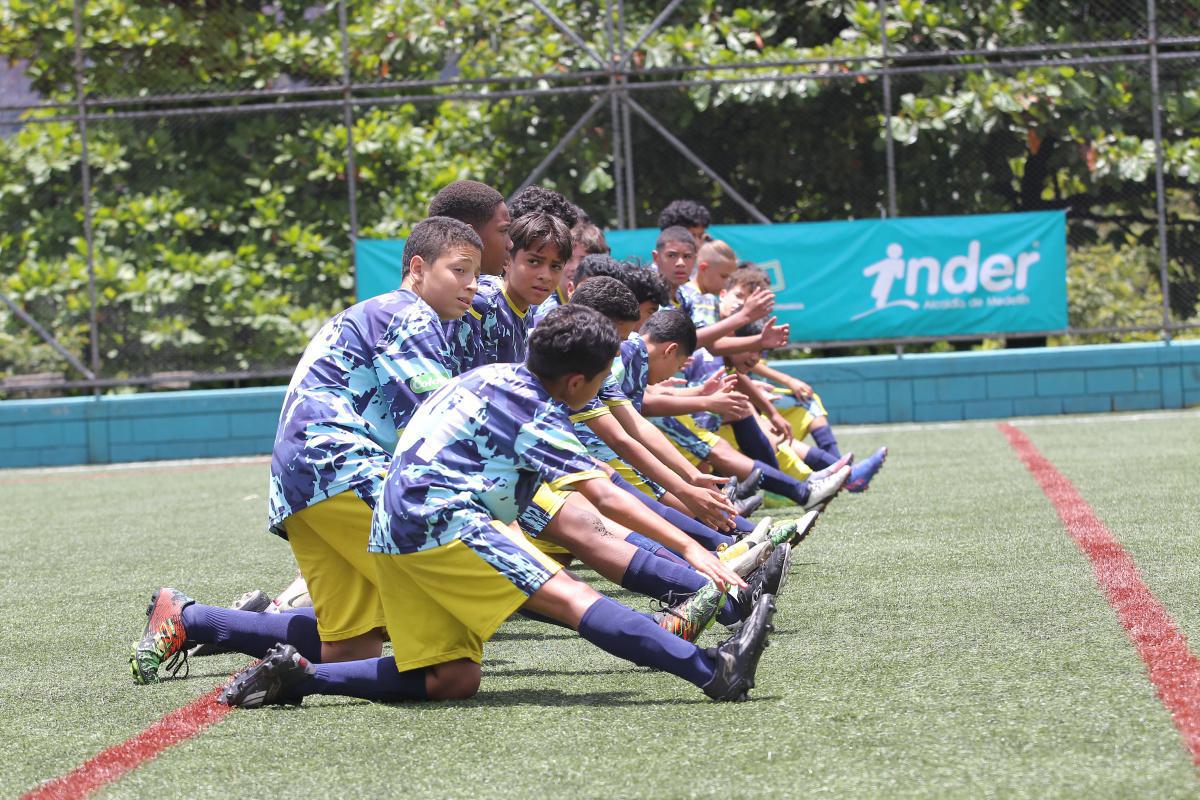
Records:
x=265, y=683
x=737, y=657
x=747, y=506
x=770, y=577
x=740, y=490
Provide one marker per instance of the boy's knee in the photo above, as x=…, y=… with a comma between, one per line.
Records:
x=457, y=680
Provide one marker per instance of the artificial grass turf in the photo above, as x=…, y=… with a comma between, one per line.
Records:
x=939, y=636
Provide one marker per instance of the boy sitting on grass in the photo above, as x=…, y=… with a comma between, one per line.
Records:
x=449, y=568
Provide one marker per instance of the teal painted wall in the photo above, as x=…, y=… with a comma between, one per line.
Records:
x=918, y=388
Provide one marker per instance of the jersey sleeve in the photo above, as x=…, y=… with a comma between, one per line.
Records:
x=595, y=408
x=546, y=443
x=410, y=363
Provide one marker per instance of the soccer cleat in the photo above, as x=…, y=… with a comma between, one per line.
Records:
x=821, y=491
x=735, y=550
x=804, y=525
x=740, y=490
x=770, y=577
x=693, y=616
x=783, y=532
x=255, y=600
x=760, y=527
x=164, y=638
x=294, y=596
x=845, y=461
x=747, y=562
x=264, y=683
x=747, y=506
x=737, y=657
x=862, y=472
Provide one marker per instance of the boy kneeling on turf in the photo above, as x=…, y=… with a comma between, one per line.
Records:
x=449, y=568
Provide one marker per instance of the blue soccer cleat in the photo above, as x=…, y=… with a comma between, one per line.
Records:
x=862, y=472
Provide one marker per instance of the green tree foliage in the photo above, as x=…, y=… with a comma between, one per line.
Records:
x=222, y=239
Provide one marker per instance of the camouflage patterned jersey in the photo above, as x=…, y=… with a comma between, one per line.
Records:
x=357, y=385
x=557, y=298
x=493, y=331
x=475, y=452
x=704, y=309
x=702, y=367
x=626, y=385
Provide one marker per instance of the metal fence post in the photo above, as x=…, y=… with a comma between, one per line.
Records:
x=1159, y=181
x=348, y=121
x=85, y=174
x=888, y=144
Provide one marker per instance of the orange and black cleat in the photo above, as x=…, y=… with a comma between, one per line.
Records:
x=164, y=640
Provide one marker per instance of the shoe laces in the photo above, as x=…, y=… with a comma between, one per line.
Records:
x=177, y=662
x=667, y=605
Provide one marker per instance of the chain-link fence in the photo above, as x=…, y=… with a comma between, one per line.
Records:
x=181, y=183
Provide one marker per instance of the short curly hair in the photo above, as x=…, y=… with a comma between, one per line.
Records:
x=685, y=214
x=471, y=202
x=539, y=198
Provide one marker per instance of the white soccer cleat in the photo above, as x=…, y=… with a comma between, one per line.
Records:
x=822, y=490
x=746, y=563
x=294, y=596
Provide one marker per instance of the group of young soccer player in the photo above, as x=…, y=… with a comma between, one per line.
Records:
x=521, y=402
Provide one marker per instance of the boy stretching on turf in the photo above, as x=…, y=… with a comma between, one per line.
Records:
x=449, y=568
x=356, y=388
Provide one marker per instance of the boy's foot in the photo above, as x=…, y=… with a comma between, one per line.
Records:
x=164, y=637
x=737, y=657
x=761, y=530
x=255, y=600
x=770, y=577
x=740, y=490
x=804, y=525
x=749, y=561
x=294, y=596
x=822, y=490
x=264, y=683
x=862, y=472
x=845, y=461
x=748, y=505
x=693, y=616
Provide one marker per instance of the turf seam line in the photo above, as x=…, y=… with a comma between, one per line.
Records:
x=1172, y=668
x=114, y=762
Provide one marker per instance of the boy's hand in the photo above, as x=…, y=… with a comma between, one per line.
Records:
x=780, y=426
x=800, y=389
x=733, y=405
x=718, y=382
x=758, y=304
x=712, y=567
x=774, y=335
x=710, y=507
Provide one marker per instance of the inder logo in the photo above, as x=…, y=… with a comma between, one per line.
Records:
x=926, y=283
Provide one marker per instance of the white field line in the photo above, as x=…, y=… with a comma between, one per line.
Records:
x=134, y=465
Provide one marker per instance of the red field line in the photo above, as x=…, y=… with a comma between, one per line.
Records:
x=1173, y=668
x=108, y=765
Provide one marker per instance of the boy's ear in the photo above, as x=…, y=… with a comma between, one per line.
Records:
x=671, y=349
x=570, y=289
x=416, y=268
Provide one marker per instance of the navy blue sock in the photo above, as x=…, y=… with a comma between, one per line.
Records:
x=629, y=635
x=819, y=459
x=742, y=524
x=660, y=579
x=825, y=440
x=253, y=632
x=753, y=442
x=654, y=548
x=783, y=484
x=703, y=534
x=369, y=679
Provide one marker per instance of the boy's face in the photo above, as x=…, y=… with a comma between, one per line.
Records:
x=666, y=358
x=568, y=274
x=496, y=243
x=732, y=299
x=578, y=390
x=647, y=309
x=447, y=283
x=675, y=262
x=713, y=273
x=744, y=362
x=533, y=274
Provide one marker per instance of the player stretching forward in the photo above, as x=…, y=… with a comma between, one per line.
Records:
x=449, y=568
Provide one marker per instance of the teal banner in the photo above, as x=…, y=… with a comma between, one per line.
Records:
x=873, y=279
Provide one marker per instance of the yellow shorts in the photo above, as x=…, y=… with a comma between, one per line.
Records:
x=442, y=604
x=636, y=478
x=694, y=448
x=547, y=502
x=329, y=540
x=802, y=415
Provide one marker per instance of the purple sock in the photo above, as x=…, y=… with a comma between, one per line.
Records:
x=659, y=578
x=783, y=484
x=753, y=442
x=742, y=524
x=819, y=459
x=703, y=534
x=253, y=632
x=629, y=635
x=825, y=440
x=653, y=548
x=369, y=679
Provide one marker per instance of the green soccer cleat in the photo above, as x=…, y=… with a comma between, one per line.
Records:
x=693, y=616
x=266, y=682
x=783, y=532
x=164, y=638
